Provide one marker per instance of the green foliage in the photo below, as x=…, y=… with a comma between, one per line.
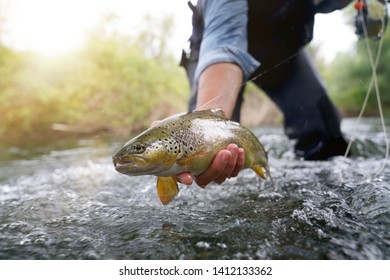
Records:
x=112, y=83
x=349, y=77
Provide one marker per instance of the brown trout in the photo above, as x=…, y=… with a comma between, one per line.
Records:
x=187, y=142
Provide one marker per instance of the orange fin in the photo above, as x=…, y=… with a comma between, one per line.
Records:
x=259, y=170
x=167, y=189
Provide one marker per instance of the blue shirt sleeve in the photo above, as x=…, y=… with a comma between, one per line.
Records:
x=225, y=36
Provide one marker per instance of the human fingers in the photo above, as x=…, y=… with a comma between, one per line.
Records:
x=239, y=163
x=185, y=178
x=214, y=170
x=230, y=165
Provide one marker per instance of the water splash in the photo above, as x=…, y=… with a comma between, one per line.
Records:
x=71, y=204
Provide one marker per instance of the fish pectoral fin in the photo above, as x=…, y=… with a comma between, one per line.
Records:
x=259, y=170
x=167, y=189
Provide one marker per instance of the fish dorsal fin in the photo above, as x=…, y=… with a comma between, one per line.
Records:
x=213, y=112
x=219, y=112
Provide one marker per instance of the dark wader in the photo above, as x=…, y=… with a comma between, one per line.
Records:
x=277, y=33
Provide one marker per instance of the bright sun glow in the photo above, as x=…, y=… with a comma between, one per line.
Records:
x=333, y=35
x=48, y=27
x=51, y=27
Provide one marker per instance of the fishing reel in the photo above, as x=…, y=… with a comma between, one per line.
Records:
x=371, y=18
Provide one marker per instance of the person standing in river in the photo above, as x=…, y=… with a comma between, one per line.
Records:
x=235, y=41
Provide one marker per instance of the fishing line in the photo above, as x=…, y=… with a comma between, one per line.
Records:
x=208, y=102
x=377, y=92
x=271, y=68
x=254, y=78
x=373, y=83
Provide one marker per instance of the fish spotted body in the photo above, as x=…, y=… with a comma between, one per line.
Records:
x=187, y=142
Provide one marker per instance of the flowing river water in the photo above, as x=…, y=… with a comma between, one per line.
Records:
x=66, y=201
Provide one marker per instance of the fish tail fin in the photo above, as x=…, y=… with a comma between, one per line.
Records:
x=167, y=189
x=269, y=174
x=259, y=171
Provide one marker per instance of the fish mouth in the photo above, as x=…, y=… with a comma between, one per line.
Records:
x=118, y=163
x=127, y=168
x=121, y=164
x=135, y=166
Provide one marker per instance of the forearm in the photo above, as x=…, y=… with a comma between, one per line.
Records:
x=224, y=62
x=219, y=86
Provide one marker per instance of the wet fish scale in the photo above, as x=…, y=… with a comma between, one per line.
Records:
x=184, y=134
x=187, y=142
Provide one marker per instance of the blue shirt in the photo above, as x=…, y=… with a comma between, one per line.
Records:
x=225, y=36
x=225, y=33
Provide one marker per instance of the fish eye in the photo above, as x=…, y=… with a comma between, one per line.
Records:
x=137, y=148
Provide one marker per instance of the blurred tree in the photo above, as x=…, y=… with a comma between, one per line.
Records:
x=350, y=74
x=113, y=83
x=153, y=37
